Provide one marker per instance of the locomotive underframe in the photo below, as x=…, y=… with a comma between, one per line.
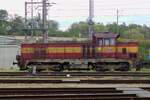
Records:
x=78, y=64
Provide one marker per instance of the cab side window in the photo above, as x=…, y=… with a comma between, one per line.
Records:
x=100, y=42
x=107, y=42
x=112, y=41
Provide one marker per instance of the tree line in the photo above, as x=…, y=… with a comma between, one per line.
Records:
x=16, y=25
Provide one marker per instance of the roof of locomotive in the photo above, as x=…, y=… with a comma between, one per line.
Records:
x=58, y=42
x=106, y=35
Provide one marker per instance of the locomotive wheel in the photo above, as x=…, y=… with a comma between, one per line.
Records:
x=124, y=67
x=100, y=68
x=66, y=67
x=39, y=70
x=90, y=67
x=138, y=67
x=58, y=68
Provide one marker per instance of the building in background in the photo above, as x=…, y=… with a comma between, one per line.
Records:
x=9, y=48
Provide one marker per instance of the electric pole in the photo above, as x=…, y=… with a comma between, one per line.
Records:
x=90, y=19
x=117, y=21
x=44, y=14
x=32, y=18
x=26, y=13
x=44, y=28
x=29, y=26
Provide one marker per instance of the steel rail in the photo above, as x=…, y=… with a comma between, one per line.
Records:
x=40, y=91
x=76, y=74
x=67, y=96
x=63, y=94
x=94, y=81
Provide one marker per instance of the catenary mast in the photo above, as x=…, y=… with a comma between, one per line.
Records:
x=90, y=19
x=45, y=28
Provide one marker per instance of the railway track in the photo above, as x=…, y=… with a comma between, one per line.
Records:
x=74, y=81
x=75, y=77
x=61, y=74
x=71, y=93
x=67, y=94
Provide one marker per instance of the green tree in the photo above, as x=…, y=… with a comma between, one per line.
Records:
x=79, y=28
x=145, y=30
x=4, y=24
x=17, y=25
x=133, y=34
x=112, y=27
x=52, y=27
x=3, y=15
x=122, y=28
x=100, y=27
x=4, y=27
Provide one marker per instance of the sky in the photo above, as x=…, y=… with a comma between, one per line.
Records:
x=67, y=12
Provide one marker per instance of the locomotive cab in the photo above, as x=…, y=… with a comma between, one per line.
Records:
x=112, y=54
x=105, y=44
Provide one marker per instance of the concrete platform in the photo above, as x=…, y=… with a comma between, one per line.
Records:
x=138, y=91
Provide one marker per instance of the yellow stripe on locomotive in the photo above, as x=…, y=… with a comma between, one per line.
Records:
x=128, y=49
x=55, y=50
x=73, y=50
x=64, y=50
x=27, y=50
x=105, y=49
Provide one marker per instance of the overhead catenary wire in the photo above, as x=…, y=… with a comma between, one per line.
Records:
x=126, y=9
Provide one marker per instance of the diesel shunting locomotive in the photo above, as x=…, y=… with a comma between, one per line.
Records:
x=103, y=53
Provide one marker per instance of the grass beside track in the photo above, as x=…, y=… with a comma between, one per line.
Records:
x=9, y=69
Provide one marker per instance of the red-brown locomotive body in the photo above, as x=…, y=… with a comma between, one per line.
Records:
x=103, y=53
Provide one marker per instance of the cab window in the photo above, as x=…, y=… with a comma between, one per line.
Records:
x=100, y=42
x=112, y=41
x=107, y=42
